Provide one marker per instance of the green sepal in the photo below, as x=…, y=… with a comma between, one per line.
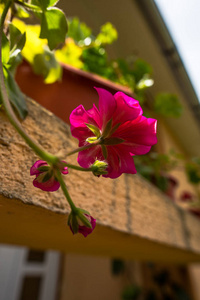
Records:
x=43, y=168
x=84, y=211
x=47, y=176
x=72, y=222
x=114, y=128
x=104, y=151
x=94, y=129
x=16, y=97
x=84, y=220
x=92, y=139
x=113, y=141
x=53, y=27
x=107, y=129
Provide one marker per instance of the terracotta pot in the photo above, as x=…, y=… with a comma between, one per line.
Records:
x=75, y=88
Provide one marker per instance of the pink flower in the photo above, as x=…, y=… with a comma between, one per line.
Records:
x=117, y=130
x=46, y=175
x=81, y=222
x=187, y=196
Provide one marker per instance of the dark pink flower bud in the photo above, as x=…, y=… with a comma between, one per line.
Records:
x=46, y=175
x=81, y=222
x=186, y=196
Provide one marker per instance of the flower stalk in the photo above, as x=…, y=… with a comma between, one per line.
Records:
x=66, y=193
x=79, y=149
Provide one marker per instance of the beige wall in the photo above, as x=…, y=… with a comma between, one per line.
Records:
x=87, y=277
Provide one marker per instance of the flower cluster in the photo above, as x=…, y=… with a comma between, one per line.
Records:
x=109, y=137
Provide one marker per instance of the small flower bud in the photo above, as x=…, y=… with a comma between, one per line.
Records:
x=81, y=222
x=46, y=175
x=99, y=168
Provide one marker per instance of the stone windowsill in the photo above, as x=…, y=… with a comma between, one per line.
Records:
x=134, y=219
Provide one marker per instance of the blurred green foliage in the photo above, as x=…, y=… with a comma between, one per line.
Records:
x=155, y=166
x=167, y=105
x=131, y=292
x=193, y=170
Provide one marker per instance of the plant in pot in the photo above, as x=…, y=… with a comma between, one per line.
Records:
x=69, y=74
x=62, y=77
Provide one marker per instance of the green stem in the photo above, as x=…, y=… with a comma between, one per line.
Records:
x=65, y=191
x=81, y=148
x=31, y=7
x=78, y=168
x=9, y=111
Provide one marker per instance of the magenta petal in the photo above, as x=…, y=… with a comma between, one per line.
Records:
x=79, y=117
x=95, y=115
x=87, y=157
x=86, y=230
x=49, y=186
x=119, y=161
x=36, y=165
x=127, y=108
x=64, y=170
x=81, y=133
x=141, y=131
x=107, y=106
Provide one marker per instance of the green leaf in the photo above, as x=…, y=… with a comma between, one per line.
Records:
x=53, y=27
x=16, y=97
x=140, y=68
x=5, y=49
x=78, y=31
x=145, y=82
x=21, y=12
x=107, y=35
x=46, y=65
x=168, y=105
x=70, y=54
x=193, y=172
x=44, y=3
x=17, y=42
x=33, y=45
x=15, y=35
